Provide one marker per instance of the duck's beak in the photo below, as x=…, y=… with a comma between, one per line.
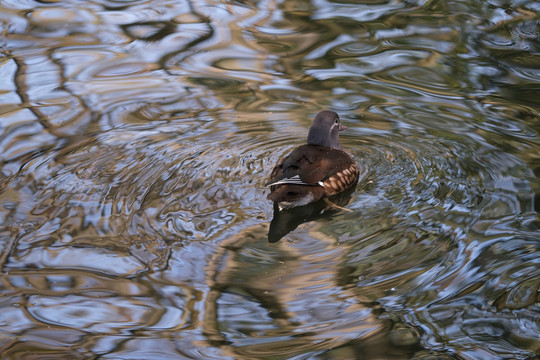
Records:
x=342, y=127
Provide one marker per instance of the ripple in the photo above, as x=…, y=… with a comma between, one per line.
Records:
x=80, y=312
x=478, y=326
x=309, y=278
x=422, y=79
x=149, y=31
x=52, y=15
x=83, y=64
x=358, y=12
x=129, y=172
x=354, y=49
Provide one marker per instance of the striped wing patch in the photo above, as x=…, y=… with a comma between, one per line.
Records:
x=295, y=180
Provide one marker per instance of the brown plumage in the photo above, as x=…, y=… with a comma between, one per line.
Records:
x=316, y=170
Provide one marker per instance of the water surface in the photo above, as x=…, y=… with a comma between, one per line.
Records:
x=136, y=138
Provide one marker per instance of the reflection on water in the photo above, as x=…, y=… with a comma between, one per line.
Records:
x=136, y=138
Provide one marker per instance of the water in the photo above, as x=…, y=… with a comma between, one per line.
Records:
x=136, y=138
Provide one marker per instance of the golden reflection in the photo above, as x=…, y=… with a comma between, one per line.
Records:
x=292, y=273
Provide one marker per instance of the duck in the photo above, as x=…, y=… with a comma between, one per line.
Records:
x=316, y=170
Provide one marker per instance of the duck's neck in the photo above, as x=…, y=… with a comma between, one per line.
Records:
x=316, y=138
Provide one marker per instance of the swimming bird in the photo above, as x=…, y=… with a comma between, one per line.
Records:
x=319, y=169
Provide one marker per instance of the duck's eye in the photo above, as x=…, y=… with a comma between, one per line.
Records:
x=336, y=121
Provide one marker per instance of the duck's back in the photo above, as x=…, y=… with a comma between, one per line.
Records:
x=311, y=172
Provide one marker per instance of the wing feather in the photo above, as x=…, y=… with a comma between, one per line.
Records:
x=309, y=165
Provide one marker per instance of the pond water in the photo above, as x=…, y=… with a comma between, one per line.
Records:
x=136, y=138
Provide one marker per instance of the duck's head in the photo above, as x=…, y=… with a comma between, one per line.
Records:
x=325, y=130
